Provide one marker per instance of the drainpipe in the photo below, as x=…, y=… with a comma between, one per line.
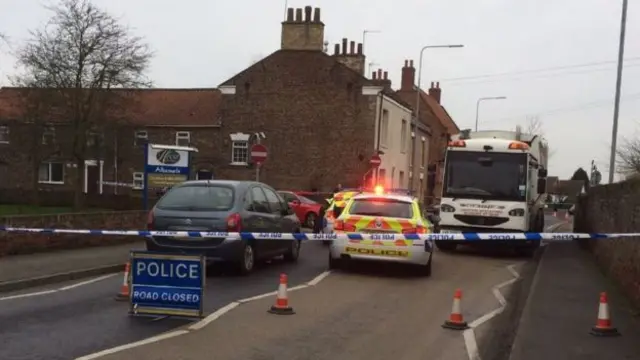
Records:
x=381, y=96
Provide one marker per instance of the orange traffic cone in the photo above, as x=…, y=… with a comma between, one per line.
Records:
x=603, y=324
x=456, y=322
x=123, y=295
x=282, y=300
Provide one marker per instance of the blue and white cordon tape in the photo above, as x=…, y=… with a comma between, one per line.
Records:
x=331, y=236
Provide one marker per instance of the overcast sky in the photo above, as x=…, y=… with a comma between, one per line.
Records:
x=200, y=43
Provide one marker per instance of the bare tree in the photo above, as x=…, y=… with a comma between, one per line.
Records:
x=628, y=157
x=79, y=56
x=534, y=126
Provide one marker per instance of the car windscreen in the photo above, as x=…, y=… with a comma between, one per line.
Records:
x=305, y=200
x=382, y=207
x=198, y=198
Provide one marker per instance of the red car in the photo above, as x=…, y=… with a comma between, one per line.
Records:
x=306, y=209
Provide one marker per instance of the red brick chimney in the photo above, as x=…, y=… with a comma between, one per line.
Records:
x=381, y=78
x=408, y=76
x=435, y=92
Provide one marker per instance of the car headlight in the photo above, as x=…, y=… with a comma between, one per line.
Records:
x=516, y=212
x=447, y=208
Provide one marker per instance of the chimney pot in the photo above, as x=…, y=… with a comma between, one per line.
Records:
x=406, y=63
x=352, y=48
x=359, y=49
x=386, y=75
x=410, y=63
x=380, y=74
x=373, y=76
x=432, y=84
x=336, y=49
x=307, y=13
x=438, y=85
x=316, y=15
x=344, y=46
x=290, y=17
x=298, y=15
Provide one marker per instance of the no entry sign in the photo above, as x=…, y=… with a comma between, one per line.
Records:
x=375, y=161
x=258, y=153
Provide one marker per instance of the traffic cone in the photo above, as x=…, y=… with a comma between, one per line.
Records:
x=555, y=214
x=456, y=322
x=603, y=324
x=282, y=300
x=123, y=295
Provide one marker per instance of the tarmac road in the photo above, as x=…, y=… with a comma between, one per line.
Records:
x=86, y=319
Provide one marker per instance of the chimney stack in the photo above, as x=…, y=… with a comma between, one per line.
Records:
x=352, y=56
x=302, y=32
x=380, y=77
x=435, y=92
x=408, y=76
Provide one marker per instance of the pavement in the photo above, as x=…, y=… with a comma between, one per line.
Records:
x=563, y=306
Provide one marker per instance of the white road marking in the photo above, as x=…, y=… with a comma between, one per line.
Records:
x=150, y=340
x=64, y=288
x=202, y=323
x=469, y=334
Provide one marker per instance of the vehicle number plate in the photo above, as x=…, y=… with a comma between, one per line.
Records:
x=442, y=231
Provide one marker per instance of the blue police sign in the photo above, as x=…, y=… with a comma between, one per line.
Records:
x=167, y=284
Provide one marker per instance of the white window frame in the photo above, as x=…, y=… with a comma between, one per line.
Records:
x=183, y=135
x=384, y=128
x=4, y=134
x=403, y=137
x=51, y=132
x=49, y=181
x=239, y=141
x=138, y=178
x=140, y=135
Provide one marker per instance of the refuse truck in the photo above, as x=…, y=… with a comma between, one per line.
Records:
x=494, y=182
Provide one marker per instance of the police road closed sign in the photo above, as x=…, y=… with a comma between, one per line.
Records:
x=166, y=284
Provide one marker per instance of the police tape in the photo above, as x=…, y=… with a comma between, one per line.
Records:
x=470, y=236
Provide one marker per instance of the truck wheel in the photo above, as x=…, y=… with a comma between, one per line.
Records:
x=425, y=270
x=446, y=245
x=528, y=251
x=334, y=263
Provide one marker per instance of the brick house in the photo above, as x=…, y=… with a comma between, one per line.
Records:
x=318, y=113
x=440, y=127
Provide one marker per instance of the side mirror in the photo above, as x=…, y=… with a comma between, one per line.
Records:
x=542, y=186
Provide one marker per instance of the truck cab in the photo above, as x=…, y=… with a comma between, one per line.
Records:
x=494, y=182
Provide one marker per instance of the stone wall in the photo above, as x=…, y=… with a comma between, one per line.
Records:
x=27, y=243
x=607, y=209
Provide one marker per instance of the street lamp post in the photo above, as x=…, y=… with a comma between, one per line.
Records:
x=616, y=107
x=486, y=98
x=414, y=119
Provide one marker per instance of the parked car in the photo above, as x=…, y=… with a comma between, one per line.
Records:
x=306, y=209
x=225, y=206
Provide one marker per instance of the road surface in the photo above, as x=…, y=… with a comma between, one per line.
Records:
x=86, y=319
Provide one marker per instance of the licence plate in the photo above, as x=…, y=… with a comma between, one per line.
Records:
x=375, y=231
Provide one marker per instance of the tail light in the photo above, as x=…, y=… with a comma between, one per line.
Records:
x=415, y=230
x=329, y=214
x=150, y=220
x=234, y=223
x=338, y=225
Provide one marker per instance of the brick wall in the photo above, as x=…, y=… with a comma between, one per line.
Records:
x=64, y=198
x=614, y=208
x=21, y=243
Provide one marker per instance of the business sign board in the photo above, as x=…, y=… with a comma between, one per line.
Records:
x=165, y=166
x=167, y=284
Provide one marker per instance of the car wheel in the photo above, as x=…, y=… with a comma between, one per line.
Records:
x=446, y=245
x=310, y=220
x=293, y=253
x=425, y=270
x=248, y=260
x=334, y=263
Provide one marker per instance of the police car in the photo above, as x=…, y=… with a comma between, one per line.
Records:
x=383, y=214
x=334, y=210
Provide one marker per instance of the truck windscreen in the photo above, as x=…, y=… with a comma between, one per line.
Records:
x=486, y=175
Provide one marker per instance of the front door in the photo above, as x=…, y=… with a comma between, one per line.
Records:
x=93, y=177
